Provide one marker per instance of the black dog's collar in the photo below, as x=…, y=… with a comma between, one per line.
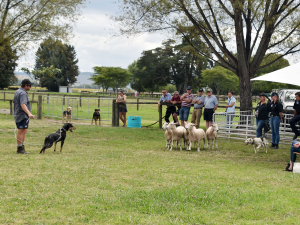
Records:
x=63, y=129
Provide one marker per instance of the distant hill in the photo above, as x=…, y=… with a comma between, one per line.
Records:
x=83, y=77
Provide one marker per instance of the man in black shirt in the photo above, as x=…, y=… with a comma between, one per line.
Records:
x=296, y=117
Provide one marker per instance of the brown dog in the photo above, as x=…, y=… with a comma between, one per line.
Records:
x=96, y=116
x=68, y=115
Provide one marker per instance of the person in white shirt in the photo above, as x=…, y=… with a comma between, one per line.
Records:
x=230, y=109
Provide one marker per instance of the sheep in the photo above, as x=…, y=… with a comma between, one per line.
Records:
x=168, y=135
x=195, y=135
x=177, y=134
x=211, y=134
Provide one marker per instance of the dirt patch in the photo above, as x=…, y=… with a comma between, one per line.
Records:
x=5, y=111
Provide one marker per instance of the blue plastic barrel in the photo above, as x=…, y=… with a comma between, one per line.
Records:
x=134, y=121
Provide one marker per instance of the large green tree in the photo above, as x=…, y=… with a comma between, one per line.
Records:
x=114, y=77
x=27, y=21
x=8, y=63
x=238, y=33
x=221, y=80
x=177, y=64
x=61, y=56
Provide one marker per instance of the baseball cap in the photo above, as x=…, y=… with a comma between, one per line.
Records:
x=262, y=94
x=274, y=94
x=209, y=90
x=189, y=88
x=26, y=81
x=200, y=90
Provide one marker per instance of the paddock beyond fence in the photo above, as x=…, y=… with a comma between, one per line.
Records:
x=242, y=125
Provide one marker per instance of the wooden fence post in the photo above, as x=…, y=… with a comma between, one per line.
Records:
x=113, y=113
x=4, y=96
x=137, y=104
x=99, y=102
x=39, y=107
x=160, y=116
x=11, y=107
x=116, y=115
x=80, y=103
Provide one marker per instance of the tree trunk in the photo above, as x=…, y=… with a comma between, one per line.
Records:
x=245, y=91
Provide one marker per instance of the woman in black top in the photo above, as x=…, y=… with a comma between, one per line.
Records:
x=276, y=117
x=262, y=114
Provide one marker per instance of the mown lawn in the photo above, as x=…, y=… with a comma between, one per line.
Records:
x=111, y=175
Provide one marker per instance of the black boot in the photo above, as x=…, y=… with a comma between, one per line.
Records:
x=276, y=146
x=21, y=150
x=272, y=146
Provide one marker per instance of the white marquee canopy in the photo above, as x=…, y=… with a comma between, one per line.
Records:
x=287, y=75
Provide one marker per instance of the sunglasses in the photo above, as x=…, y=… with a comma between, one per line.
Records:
x=29, y=85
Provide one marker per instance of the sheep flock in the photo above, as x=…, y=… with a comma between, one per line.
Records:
x=189, y=134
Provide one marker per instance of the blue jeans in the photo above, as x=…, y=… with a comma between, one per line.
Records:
x=260, y=125
x=229, y=118
x=275, y=123
x=293, y=149
x=293, y=122
x=184, y=113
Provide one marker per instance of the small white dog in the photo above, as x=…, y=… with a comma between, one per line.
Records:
x=257, y=143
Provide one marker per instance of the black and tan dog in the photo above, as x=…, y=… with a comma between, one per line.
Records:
x=59, y=135
x=96, y=116
x=68, y=115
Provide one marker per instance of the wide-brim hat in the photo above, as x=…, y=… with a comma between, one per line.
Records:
x=189, y=88
x=209, y=90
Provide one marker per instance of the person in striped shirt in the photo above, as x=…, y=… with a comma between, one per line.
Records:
x=186, y=99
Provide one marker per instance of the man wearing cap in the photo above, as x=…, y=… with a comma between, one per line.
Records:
x=176, y=100
x=230, y=108
x=22, y=114
x=198, y=105
x=296, y=117
x=166, y=97
x=276, y=117
x=210, y=104
x=186, y=99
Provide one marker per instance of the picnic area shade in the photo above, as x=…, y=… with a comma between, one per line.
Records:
x=287, y=75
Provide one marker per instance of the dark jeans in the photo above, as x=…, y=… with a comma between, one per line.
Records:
x=260, y=124
x=275, y=123
x=170, y=110
x=293, y=122
x=293, y=149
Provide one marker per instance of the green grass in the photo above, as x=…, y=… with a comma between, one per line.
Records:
x=109, y=175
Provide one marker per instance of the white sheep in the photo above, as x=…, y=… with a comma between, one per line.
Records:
x=195, y=135
x=211, y=135
x=178, y=133
x=168, y=135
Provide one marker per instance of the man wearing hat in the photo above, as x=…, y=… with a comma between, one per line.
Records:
x=186, y=103
x=198, y=105
x=22, y=114
x=210, y=104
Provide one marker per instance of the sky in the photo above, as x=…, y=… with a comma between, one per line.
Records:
x=93, y=43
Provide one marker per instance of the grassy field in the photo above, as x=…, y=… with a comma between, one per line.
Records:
x=109, y=175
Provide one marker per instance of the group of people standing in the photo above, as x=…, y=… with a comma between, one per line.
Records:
x=209, y=103
x=271, y=111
